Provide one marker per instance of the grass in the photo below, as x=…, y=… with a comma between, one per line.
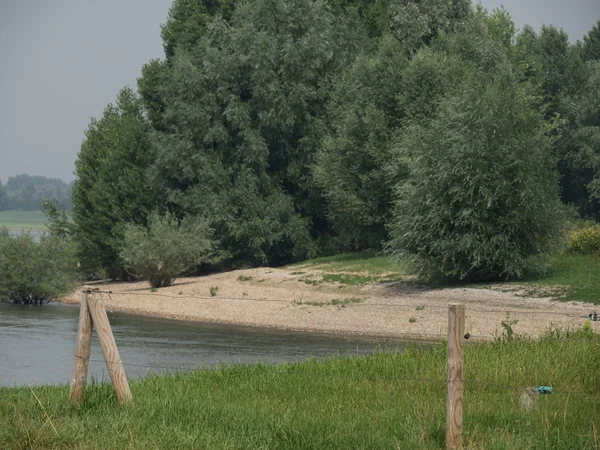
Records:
x=354, y=269
x=577, y=276
x=23, y=220
x=381, y=401
x=570, y=277
x=368, y=262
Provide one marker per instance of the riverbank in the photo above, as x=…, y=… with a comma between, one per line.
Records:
x=382, y=401
x=23, y=220
x=303, y=298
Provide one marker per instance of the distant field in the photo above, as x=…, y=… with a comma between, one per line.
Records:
x=23, y=220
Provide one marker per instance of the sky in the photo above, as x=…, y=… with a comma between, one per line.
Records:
x=63, y=61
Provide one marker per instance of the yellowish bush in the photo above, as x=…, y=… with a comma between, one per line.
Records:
x=585, y=240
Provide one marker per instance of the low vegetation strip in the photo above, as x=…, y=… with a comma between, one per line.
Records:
x=569, y=277
x=23, y=220
x=382, y=401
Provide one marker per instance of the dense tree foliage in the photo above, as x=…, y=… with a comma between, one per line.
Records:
x=591, y=44
x=166, y=249
x=291, y=128
x=112, y=187
x=28, y=193
x=3, y=197
x=586, y=141
x=352, y=168
x=244, y=115
x=36, y=270
x=417, y=23
x=482, y=195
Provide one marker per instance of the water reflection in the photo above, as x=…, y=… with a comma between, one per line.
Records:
x=37, y=344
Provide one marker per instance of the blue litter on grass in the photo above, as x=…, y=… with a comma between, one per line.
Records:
x=544, y=390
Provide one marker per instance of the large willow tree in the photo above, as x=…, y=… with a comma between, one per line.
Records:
x=244, y=113
x=112, y=187
x=481, y=200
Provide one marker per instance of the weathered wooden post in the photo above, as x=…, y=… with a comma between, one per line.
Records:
x=109, y=348
x=82, y=351
x=454, y=400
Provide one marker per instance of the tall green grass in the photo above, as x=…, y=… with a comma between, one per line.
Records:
x=382, y=401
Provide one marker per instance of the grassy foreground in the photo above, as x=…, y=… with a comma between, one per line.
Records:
x=23, y=220
x=383, y=401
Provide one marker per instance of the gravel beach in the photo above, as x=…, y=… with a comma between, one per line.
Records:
x=281, y=298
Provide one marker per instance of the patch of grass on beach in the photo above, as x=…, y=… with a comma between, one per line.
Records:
x=357, y=268
x=570, y=277
x=23, y=220
x=577, y=275
x=381, y=401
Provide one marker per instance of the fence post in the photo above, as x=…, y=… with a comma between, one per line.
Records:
x=454, y=400
x=109, y=348
x=82, y=352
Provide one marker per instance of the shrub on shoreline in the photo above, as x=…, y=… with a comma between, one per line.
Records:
x=35, y=272
x=165, y=249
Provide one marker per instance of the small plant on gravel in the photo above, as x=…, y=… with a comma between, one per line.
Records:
x=412, y=320
x=244, y=278
x=346, y=301
x=350, y=279
x=420, y=308
x=311, y=281
x=508, y=333
x=214, y=290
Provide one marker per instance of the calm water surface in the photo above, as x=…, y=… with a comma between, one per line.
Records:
x=37, y=345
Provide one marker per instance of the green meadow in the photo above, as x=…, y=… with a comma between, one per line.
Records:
x=23, y=220
x=382, y=401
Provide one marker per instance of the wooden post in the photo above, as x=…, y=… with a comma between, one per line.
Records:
x=454, y=401
x=109, y=348
x=82, y=352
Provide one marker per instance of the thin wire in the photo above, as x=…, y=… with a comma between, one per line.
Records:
x=46, y=324
x=394, y=305
x=355, y=377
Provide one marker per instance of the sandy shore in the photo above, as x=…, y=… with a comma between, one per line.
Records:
x=280, y=298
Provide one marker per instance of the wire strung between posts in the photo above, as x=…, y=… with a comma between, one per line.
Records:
x=352, y=305
x=352, y=377
x=47, y=324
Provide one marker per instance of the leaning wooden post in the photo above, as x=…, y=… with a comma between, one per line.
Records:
x=82, y=352
x=109, y=348
x=454, y=401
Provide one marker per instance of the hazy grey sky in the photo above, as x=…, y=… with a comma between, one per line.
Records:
x=63, y=61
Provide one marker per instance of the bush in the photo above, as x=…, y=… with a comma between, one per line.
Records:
x=36, y=272
x=585, y=240
x=165, y=249
x=481, y=202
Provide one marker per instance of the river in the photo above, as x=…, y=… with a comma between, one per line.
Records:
x=37, y=345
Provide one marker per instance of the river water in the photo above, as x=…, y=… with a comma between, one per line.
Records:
x=37, y=345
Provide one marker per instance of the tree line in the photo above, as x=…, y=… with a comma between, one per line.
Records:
x=27, y=193
x=292, y=128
